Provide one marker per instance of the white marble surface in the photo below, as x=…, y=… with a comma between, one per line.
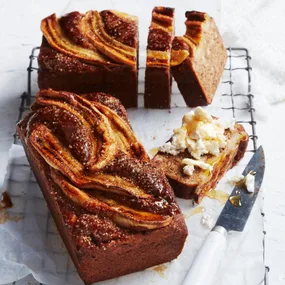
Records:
x=19, y=32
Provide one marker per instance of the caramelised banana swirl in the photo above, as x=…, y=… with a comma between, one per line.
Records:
x=184, y=46
x=160, y=36
x=96, y=160
x=106, y=36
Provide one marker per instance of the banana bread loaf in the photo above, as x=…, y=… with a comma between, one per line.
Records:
x=114, y=209
x=90, y=52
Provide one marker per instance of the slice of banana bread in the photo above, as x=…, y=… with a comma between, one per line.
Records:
x=199, y=153
x=157, y=74
x=198, y=59
x=114, y=210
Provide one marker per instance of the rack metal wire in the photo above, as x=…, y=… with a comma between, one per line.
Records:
x=231, y=68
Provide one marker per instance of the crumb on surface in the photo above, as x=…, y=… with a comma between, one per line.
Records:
x=6, y=201
x=160, y=270
x=3, y=217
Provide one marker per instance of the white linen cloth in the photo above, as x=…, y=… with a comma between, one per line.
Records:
x=30, y=243
x=259, y=25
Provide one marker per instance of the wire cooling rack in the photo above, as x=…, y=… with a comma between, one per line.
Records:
x=235, y=101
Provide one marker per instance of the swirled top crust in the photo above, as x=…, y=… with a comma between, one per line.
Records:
x=96, y=160
x=95, y=37
x=196, y=23
x=160, y=37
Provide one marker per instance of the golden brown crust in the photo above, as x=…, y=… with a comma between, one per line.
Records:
x=89, y=52
x=197, y=185
x=94, y=37
x=71, y=24
x=96, y=235
x=56, y=38
x=89, y=147
x=121, y=27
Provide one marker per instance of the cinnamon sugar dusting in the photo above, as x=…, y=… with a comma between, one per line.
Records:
x=88, y=147
x=160, y=270
x=120, y=26
x=68, y=36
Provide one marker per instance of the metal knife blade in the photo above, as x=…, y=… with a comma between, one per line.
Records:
x=234, y=218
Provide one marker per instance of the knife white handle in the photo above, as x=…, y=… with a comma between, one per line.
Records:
x=206, y=263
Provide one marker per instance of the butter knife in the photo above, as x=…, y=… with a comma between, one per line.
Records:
x=232, y=218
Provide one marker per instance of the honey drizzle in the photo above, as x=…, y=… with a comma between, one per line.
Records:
x=153, y=151
x=195, y=211
x=241, y=183
x=192, y=126
x=236, y=200
x=221, y=196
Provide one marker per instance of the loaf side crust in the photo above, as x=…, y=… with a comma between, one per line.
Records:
x=61, y=72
